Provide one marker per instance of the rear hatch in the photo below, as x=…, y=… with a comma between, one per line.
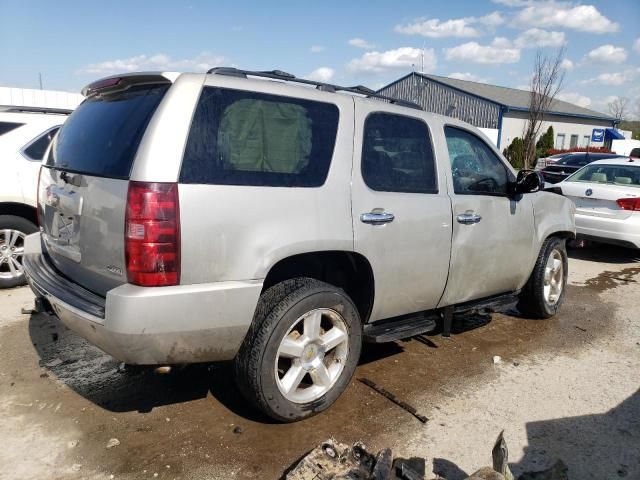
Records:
x=83, y=186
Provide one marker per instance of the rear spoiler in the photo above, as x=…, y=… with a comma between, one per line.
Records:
x=117, y=83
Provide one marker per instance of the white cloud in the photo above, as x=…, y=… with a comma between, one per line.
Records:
x=567, y=64
x=159, y=61
x=499, y=51
x=458, y=27
x=398, y=59
x=361, y=43
x=316, y=49
x=616, y=78
x=586, y=18
x=636, y=45
x=322, y=74
x=536, y=37
x=575, y=98
x=607, y=54
x=468, y=76
x=513, y=3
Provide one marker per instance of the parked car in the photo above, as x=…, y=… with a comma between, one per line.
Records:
x=25, y=134
x=551, y=160
x=607, y=198
x=204, y=217
x=564, y=167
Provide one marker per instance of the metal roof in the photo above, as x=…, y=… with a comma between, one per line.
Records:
x=510, y=97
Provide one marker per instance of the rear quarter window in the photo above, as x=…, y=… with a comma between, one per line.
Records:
x=102, y=135
x=248, y=138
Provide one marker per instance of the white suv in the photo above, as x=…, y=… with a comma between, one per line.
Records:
x=25, y=135
x=281, y=222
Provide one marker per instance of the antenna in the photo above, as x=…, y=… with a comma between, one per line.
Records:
x=40, y=79
x=422, y=69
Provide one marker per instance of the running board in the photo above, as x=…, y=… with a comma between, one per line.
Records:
x=491, y=304
x=399, y=327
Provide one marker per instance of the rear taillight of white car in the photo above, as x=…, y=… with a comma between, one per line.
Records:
x=152, y=234
x=632, y=204
x=38, y=206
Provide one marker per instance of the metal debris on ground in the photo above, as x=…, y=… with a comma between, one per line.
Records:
x=390, y=396
x=332, y=460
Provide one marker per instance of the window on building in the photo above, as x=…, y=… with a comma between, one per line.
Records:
x=560, y=141
x=248, y=138
x=397, y=155
x=574, y=141
x=585, y=141
x=475, y=168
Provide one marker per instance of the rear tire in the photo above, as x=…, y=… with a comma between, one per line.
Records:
x=13, y=229
x=544, y=292
x=301, y=350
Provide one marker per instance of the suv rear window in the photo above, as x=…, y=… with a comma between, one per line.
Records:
x=102, y=135
x=248, y=138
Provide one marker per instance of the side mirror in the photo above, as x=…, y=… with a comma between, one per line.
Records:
x=528, y=181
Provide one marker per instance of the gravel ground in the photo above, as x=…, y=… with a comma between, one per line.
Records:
x=564, y=388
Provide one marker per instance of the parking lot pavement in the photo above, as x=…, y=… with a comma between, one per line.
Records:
x=563, y=388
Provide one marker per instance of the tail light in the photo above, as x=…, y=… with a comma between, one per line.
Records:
x=632, y=204
x=152, y=234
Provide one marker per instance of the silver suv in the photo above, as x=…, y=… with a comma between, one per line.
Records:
x=280, y=222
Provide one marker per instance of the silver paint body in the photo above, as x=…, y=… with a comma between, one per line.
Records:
x=231, y=236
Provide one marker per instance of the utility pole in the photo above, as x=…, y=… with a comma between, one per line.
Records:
x=40, y=79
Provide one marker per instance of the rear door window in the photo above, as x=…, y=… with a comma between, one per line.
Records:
x=248, y=138
x=397, y=155
x=6, y=127
x=37, y=148
x=102, y=135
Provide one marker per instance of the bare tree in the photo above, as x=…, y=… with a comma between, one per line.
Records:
x=619, y=108
x=546, y=83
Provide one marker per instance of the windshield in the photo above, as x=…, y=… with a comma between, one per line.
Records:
x=102, y=135
x=627, y=175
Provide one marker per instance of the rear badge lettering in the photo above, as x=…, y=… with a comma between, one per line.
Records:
x=115, y=270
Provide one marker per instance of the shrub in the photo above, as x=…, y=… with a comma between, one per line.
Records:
x=515, y=153
x=545, y=142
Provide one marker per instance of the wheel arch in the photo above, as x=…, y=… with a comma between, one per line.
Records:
x=19, y=210
x=347, y=270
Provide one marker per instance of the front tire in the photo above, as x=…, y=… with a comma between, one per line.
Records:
x=13, y=230
x=301, y=350
x=544, y=292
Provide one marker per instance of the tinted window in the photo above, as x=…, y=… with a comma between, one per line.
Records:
x=397, y=155
x=475, y=168
x=102, y=135
x=8, y=126
x=36, y=150
x=248, y=138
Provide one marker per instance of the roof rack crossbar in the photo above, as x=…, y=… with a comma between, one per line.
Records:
x=327, y=87
x=26, y=109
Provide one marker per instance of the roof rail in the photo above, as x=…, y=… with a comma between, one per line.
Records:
x=326, y=87
x=25, y=109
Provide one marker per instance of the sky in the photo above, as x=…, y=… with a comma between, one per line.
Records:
x=72, y=43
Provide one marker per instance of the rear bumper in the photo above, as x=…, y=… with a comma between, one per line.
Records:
x=607, y=230
x=150, y=326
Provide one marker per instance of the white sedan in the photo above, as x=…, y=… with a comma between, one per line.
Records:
x=607, y=198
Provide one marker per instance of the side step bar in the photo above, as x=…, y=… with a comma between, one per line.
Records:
x=399, y=327
x=411, y=325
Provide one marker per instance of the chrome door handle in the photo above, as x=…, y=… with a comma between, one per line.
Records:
x=468, y=218
x=377, y=218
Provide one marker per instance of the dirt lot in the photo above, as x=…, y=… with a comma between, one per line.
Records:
x=564, y=388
